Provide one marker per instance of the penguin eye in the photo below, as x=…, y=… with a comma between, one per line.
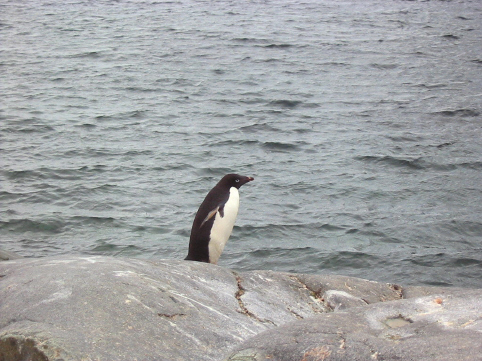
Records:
x=237, y=180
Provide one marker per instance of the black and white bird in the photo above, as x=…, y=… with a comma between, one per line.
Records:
x=215, y=219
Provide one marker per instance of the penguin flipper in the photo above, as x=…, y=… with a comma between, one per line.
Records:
x=210, y=215
x=219, y=208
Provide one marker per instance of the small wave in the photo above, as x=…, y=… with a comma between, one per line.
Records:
x=432, y=86
x=444, y=145
x=384, y=66
x=278, y=46
x=258, y=128
x=416, y=163
x=103, y=153
x=254, y=100
x=278, y=231
x=451, y=37
x=27, y=126
x=136, y=114
x=303, y=260
x=89, y=54
x=335, y=63
x=405, y=138
x=250, y=40
x=49, y=226
x=151, y=230
x=110, y=248
x=280, y=252
x=213, y=172
x=7, y=196
x=285, y=103
x=466, y=262
x=470, y=165
x=173, y=166
x=38, y=128
x=430, y=260
x=279, y=146
x=142, y=89
x=349, y=259
x=459, y=113
x=296, y=260
x=467, y=228
x=242, y=142
x=92, y=220
x=247, y=40
x=49, y=173
x=372, y=234
x=87, y=126
x=443, y=259
x=19, y=174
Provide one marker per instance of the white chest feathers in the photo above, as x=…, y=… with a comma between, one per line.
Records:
x=223, y=226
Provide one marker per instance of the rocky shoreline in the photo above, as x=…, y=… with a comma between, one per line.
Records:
x=104, y=308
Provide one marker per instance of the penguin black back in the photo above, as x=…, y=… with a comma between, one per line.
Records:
x=215, y=218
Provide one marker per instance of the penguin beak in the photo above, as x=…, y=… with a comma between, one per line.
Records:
x=250, y=179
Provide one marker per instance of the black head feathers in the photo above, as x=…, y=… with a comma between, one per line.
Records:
x=234, y=180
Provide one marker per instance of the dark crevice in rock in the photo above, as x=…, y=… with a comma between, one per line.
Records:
x=172, y=316
x=328, y=307
x=397, y=289
x=297, y=315
x=316, y=295
x=243, y=309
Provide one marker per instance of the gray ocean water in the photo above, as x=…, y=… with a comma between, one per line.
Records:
x=359, y=120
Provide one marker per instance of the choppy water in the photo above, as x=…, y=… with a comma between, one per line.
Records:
x=360, y=121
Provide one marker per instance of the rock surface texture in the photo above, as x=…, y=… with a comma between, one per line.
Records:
x=102, y=308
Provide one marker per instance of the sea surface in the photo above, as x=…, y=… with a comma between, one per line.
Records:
x=361, y=122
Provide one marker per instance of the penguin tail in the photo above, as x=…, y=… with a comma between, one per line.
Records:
x=191, y=258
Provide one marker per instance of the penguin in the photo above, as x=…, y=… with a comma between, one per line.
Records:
x=214, y=220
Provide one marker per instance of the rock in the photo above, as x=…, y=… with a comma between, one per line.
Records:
x=100, y=308
x=436, y=327
x=104, y=308
x=340, y=300
x=6, y=255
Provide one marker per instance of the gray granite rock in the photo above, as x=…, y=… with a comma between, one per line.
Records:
x=437, y=327
x=103, y=308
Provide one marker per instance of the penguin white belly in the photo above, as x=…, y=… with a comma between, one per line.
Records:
x=223, y=226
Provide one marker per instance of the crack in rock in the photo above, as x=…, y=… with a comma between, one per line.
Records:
x=315, y=295
x=342, y=341
x=397, y=289
x=244, y=310
x=297, y=315
x=172, y=316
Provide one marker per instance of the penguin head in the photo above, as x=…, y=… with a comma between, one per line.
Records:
x=234, y=180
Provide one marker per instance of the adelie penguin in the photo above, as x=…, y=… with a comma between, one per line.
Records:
x=215, y=218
